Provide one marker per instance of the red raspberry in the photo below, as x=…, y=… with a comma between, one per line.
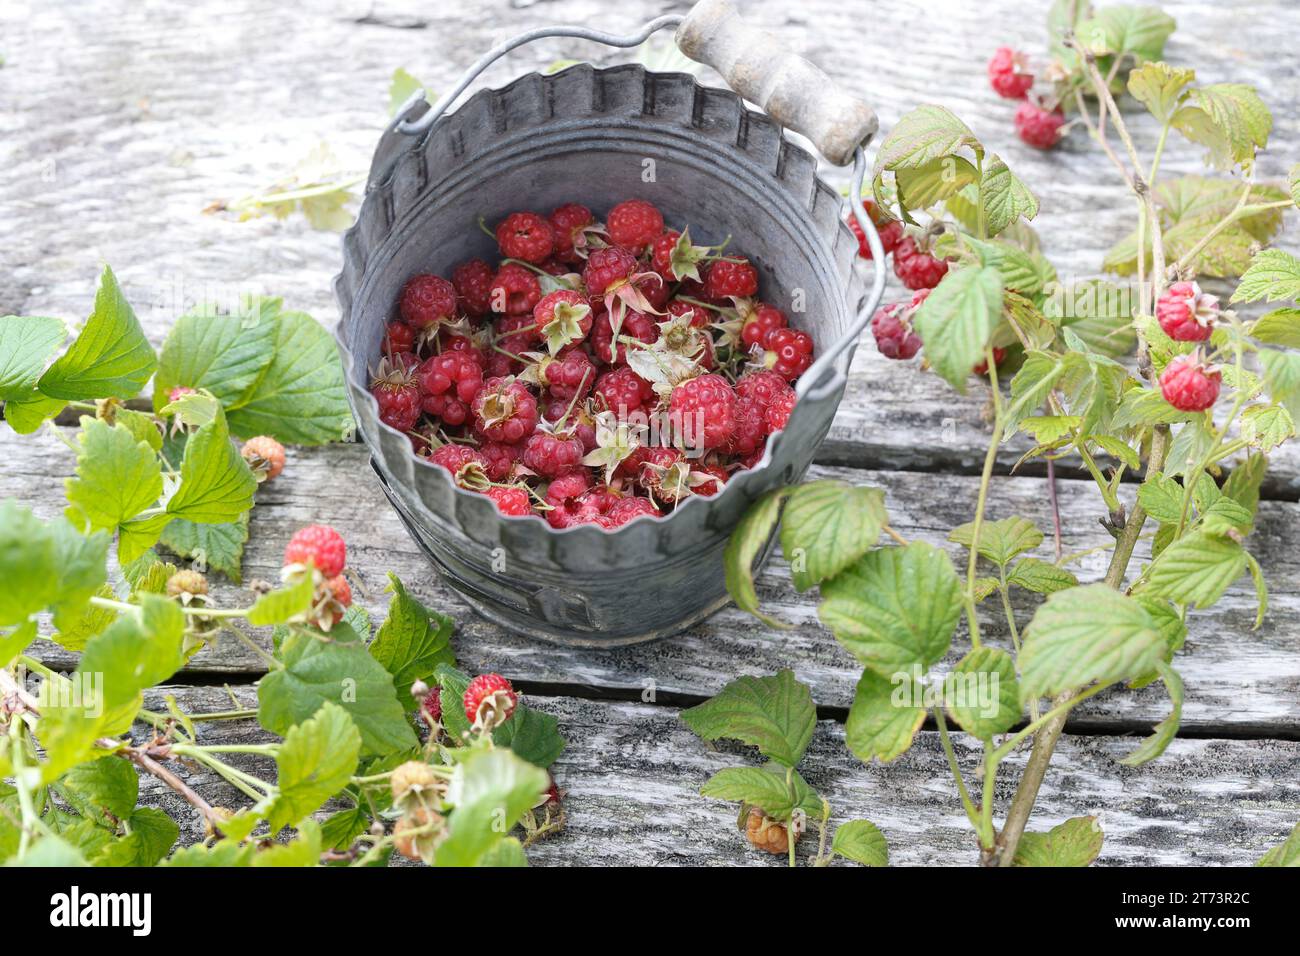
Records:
x=568, y=222
x=605, y=267
x=650, y=465
x=398, y=395
x=730, y=278
x=505, y=410
x=178, y=392
x=340, y=592
x=514, y=290
x=455, y=342
x=501, y=458
x=318, y=545
x=789, y=353
x=265, y=456
x=634, y=224
x=431, y=706
x=1189, y=384
x=462, y=461
x=636, y=325
x=562, y=495
x=890, y=231
x=982, y=366
x=622, y=392
x=627, y=509
x=698, y=317
x=893, y=331
x=526, y=236
x=751, y=424
x=750, y=461
x=778, y=413
x=398, y=337
x=450, y=382
x=763, y=385
x=511, y=500
x=760, y=323
x=1009, y=74
x=1186, y=313
x=562, y=318
x=703, y=410
x=917, y=269
x=551, y=455
x=489, y=693
x=571, y=374
x=708, y=489
x=1038, y=127
x=661, y=254
x=427, y=300
x=473, y=282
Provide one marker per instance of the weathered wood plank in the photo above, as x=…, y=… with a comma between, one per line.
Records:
x=152, y=141
x=1238, y=680
x=632, y=774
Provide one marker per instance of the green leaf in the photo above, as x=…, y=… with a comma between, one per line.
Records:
x=1261, y=590
x=1019, y=273
x=1005, y=197
x=103, y=790
x=1273, y=275
x=46, y=565
x=878, y=725
x=1282, y=373
x=16, y=640
x=299, y=397
x=222, y=354
x=138, y=650
x=412, y=641
x=1099, y=312
x=895, y=609
x=152, y=834
x=317, y=671
x=1041, y=577
x=921, y=136
x=25, y=415
x=765, y=788
x=1159, y=87
x=26, y=344
x=862, y=842
x=956, y=320
x=492, y=790
x=981, y=692
x=747, y=542
x=1049, y=429
x=1229, y=119
x=1085, y=634
x=1000, y=541
x=827, y=525
x=1286, y=853
x=1167, y=729
x=920, y=187
x=1146, y=406
x=303, y=850
x=216, y=483
x=224, y=853
x=1075, y=842
x=1196, y=569
x=532, y=735
x=316, y=761
x=216, y=546
x=283, y=605
x=50, y=851
x=1032, y=383
x=1279, y=327
x=775, y=714
x=1161, y=498
x=1266, y=426
x=1140, y=32
x=110, y=358
x=117, y=477
x=340, y=830
x=506, y=852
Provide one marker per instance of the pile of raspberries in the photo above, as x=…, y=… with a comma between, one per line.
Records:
x=599, y=372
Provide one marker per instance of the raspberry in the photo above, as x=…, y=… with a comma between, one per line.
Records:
x=703, y=411
x=789, y=353
x=750, y=461
x=893, y=332
x=605, y=267
x=765, y=386
x=411, y=779
x=623, y=392
x=626, y=509
x=473, y=283
x=318, y=545
x=551, y=455
x=651, y=465
x=751, y=425
x=982, y=366
x=767, y=834
x=889, y=230
x=178, y=392
x=398, y=337
x=186, y=583
x=1038, y=127
x=634, y=224
x=562, y=495
x=489, y=700
x=571, y=374
x=463, y=462
x=661, y=254
x=562, y=318
x=505, y=410
x=431, y=706
x=265, y=456
x=707, y=489
x=1189, y=384
x=454, y=374
x=427, y=300
x=636, y=325
x=526, y=236
x=501, y=459
x=1009, y=74
x=730, y=278
x=697, y=316
x=568, y=223
x=337, y=597
x=398, y=395
x=514, y=290
x=1186, y=313
x=515, y=335
x=760, y=323
x=417, y=835
x=778, y=413
x=511, y=500
x=455, y=342
x=917, y=269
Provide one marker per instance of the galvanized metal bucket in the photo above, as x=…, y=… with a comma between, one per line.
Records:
x=591, y=135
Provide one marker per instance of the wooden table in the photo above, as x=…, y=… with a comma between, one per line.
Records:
x=122, y=121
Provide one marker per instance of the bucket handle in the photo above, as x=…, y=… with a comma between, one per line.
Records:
x=790, y=89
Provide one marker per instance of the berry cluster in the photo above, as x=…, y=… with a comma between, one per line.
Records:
x=318, y=551
x=1038, y=123
x=599, y=372
x=914, y=265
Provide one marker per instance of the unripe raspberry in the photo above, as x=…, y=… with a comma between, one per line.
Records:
x=419, y=833
x=265, y=456
x=767, y=834
x=185, y=582
x=412, y=780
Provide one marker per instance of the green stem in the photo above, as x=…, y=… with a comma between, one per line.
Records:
x=1159, y=154
x=986, y=476
x=31, y=821
x=789, y=829
x=1059, y=710
x=159, y=719
x=1107, y=493
x=971, y=813
x=194, y=611
x=987, y=834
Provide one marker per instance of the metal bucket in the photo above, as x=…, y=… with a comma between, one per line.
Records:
x=591, y=136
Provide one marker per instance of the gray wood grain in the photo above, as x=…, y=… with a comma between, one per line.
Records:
x=632, y=774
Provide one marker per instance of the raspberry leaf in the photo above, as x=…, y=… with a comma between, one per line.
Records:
x=1227, y=118
x=862, y=842
x=491, y=791
x=216, y=483
x=877, y=726
x=924, y=186
x=1282, y=374
x=118, y=476
x=532, y=735
x=956, y=320
x=283, y=605
x=827, y=525
x=152, y=834
x=1196, y=569
x=1000, y=541
x=1165, y=731
x=775, y=714
x=1075, y=842
x=1140, y=32
x=1099, y=312
x=1266, y=426
x=1279, y=327
x=27, y=414
x=1286, y=853
x=1273, y=275
x=749, y=540
x=1143, y=406
x=981, y=692
x=223, y=354
x=26, y=344
x=1085, y=634
x=103, y=790
x=141, y=648
x=1030, y=387
x=895, y=609
x=314, y=763
x=216, y=546
x=110, y=358
x=765, y=788
x=1041, y=577
x=1005, y=198
x=1161, y=498
x=411, y=642
x=1159, y=87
